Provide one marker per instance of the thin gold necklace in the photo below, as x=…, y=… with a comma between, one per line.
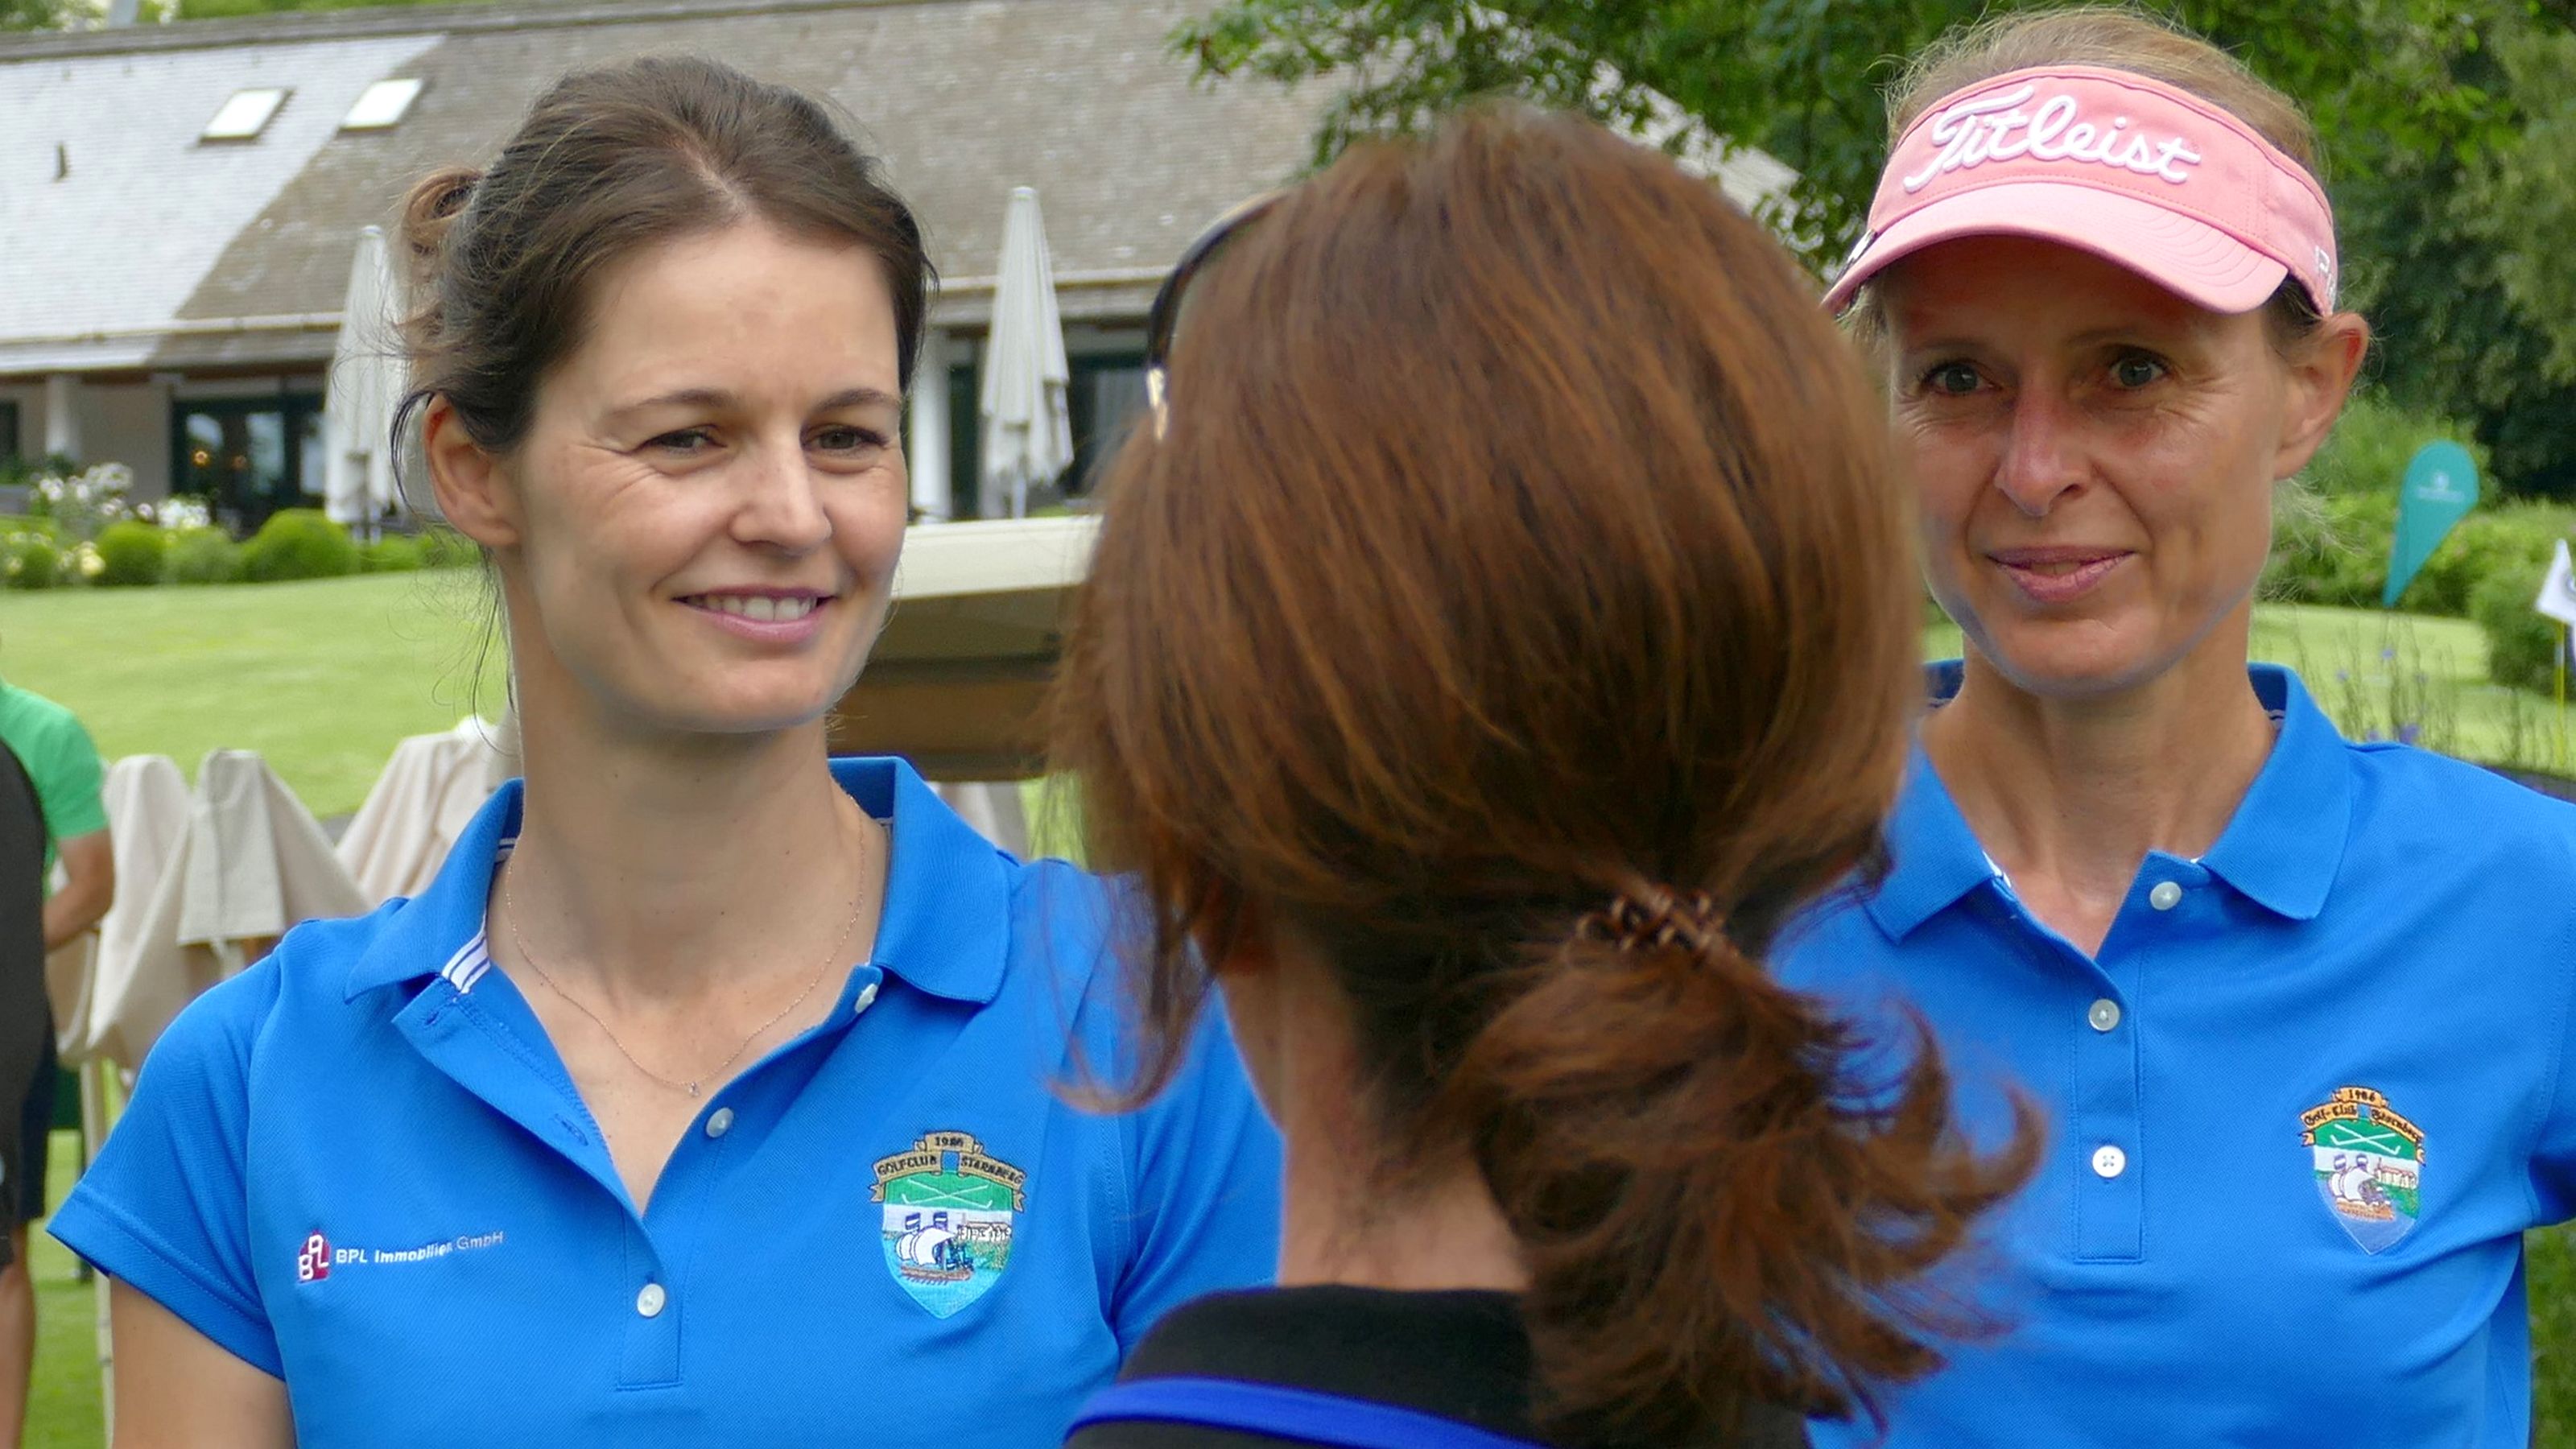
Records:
x=692, y=1087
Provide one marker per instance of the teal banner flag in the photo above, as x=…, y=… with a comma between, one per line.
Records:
x=2441, y=487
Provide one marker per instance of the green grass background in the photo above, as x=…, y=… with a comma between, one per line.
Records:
x=324, y=677
x=63, y=1406
x=320, y=677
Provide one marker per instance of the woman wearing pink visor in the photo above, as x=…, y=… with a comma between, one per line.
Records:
x=2296, y=1007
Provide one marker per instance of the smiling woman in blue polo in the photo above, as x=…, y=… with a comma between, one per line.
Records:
x=2297, y=1007
x=603, y=1139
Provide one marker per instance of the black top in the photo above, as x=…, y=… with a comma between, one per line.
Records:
x=1462, y=1356
x=22, y=902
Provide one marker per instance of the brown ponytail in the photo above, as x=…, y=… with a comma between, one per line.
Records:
x=1671, y=1135
x=1520, y=610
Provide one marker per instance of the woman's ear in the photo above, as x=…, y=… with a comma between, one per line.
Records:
x=2321, y=375
x=470, y=485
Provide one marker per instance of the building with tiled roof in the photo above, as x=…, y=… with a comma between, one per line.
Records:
x=170, y=300
x=170, y=296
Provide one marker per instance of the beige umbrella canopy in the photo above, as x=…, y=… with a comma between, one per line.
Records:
x=249, y=862
x=420, y=806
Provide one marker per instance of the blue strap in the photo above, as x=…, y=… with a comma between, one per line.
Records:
x=1302, y=1415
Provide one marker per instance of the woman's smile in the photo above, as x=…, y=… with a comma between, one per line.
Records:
x=2059, y=575
x=782, y=617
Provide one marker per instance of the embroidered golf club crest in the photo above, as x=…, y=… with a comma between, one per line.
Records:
x=949, y=1210
x=2369, y=1163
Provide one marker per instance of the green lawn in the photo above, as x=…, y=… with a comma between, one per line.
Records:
x=63, y=1410
x=324, y=677
x=2553, y=1337
x=321, y=677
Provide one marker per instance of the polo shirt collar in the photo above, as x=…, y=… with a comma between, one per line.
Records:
x=2285, y=844
x=945, y=926
x=946, y=923
x=1934, y=858
x=443, y=924
x=2281, y=849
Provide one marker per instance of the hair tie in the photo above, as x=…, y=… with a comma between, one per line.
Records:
x=1654, y=917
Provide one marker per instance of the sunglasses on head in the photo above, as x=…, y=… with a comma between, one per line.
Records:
x=1165, y=318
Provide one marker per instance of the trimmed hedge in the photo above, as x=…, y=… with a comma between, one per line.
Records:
x=2522, y=644
x=2334, y=550
x=299, y=543
x=2514, y=539
x=204, y=556
x=296, y=543
x=391, y=554
x=29, y=560
x=131, y=554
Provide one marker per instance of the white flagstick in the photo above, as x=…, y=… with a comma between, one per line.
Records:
x=2557, y=601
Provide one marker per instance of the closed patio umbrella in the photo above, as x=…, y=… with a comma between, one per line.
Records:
x=147, y=815
x=428, y=794
x=251, y=862
x=365, y=386
x=1028, y=425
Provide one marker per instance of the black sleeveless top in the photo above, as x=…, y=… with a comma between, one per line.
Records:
x=1462, y=1355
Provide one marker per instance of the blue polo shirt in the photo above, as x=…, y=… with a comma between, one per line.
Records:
x=360, y=1166
x=2302, y=1106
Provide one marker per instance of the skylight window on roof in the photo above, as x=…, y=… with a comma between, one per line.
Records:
x=383, y=105
x=245, y=115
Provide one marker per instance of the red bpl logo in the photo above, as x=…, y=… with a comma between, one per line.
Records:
x=314, y=1263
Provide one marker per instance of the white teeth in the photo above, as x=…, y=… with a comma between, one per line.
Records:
x=760, y=608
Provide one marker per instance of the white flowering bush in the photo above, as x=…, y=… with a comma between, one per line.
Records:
x=85, y=502
x=176, y=514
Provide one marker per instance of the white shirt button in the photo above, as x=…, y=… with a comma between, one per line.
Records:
x=720, y=1122
x=650, y=1301
x=2165, y=896
x=867, y=998
x=2104, y=1015
x=2109, y=1161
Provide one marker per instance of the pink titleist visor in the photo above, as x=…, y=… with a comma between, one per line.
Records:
x=2130, y=169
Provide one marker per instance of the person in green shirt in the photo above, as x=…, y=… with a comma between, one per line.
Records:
x=68, y=774
x=63, y=768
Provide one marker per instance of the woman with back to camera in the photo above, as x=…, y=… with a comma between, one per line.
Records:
x=604, y=1138
x=1503, y=628
x=2298, y=1007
